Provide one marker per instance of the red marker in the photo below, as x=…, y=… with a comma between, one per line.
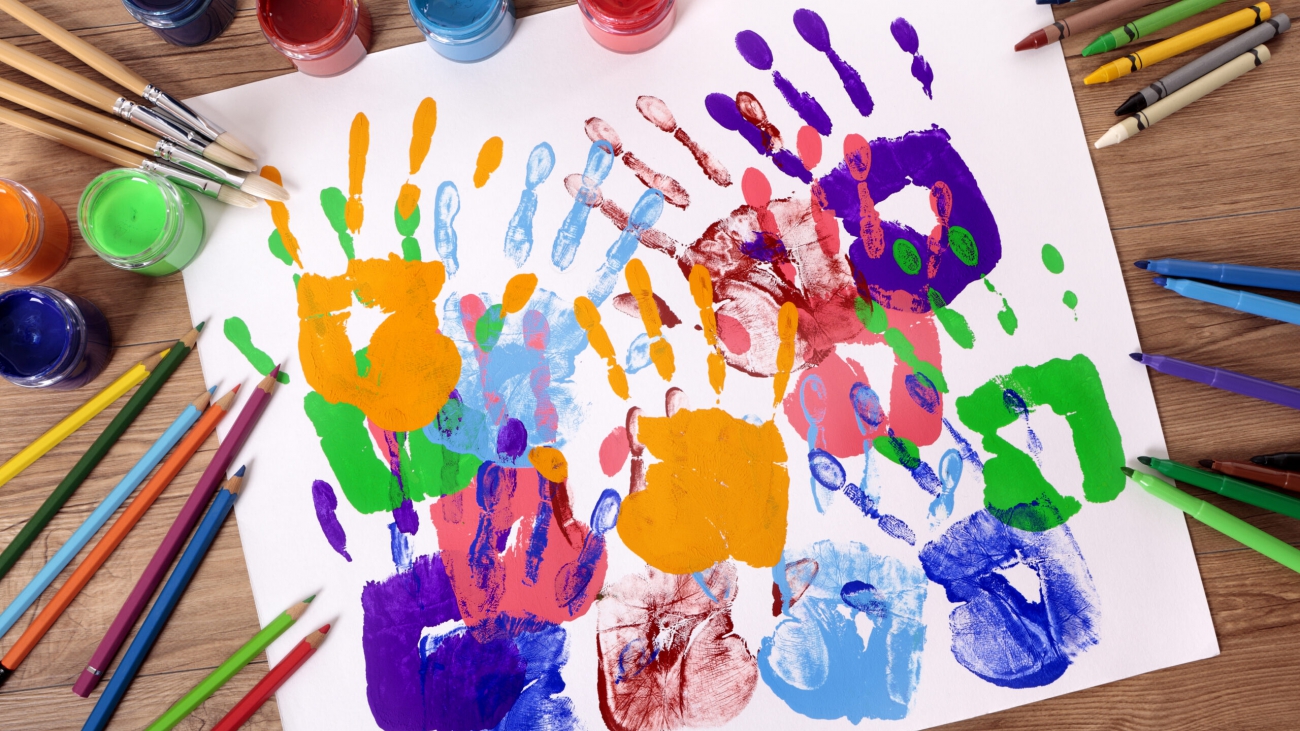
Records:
x=266, y=687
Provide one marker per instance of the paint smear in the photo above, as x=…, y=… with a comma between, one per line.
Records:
x=589, y=320
x=644, y=215
x=1052, y=259
x=813, y=30
x=236, y=331
x=1006, y=316
x=489, y=159
x=422, y=127
x=1071, y=300
x=627, y=304
x=907, y=39
x=702, y=293
x=661, y=351
x=600, y=160
x=613, y=451
x=326, y=502
x=787, y=323
x=657, y=113
x=954, y=323
x=519, y=234
x=446, y=206
x=754, y=49
x=358, y=148
x=280, y=217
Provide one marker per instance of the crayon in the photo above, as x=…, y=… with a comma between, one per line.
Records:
x=1148, y=24
x=1234, y=299
x=1181, y=43
x=1222, y=379
x=1245, y=276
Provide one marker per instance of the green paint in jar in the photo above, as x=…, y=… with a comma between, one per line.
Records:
x=141, y=222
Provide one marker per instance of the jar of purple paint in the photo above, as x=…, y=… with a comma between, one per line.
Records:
x=49, y=339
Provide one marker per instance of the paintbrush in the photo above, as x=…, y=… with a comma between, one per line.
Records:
x=104, y=99
x=125, y=77
x=130, y=137
x=118, y=156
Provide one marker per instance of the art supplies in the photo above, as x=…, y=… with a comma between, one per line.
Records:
x=51, y=612
x=102, y=512
x=470, y=30
x=1222, y=379
x=1220, y=520
x=266, y=687
x=34, y=242
x=1233, y=299
x=1212, y=60
x=226, y=670
x=1148, y=24
x=1181, y=43
x=140, y=222
x=1079, y=22
x=205, y=129
x=1289, y=461
x=628, y=26
x=1184, y=96
x=78, y=474
x=321, y=39
x=1256, y=473
x=171, y=544
x=49, y=339
x=183, y=23
x=1239, y=490
x=162, y=609
x=1245, y=276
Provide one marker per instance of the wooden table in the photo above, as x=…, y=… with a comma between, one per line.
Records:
x=1220, y=180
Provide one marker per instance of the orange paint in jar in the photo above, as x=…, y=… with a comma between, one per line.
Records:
x=34, y=242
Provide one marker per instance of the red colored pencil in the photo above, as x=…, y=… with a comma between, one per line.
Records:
x=175, y=539
x=266, y=687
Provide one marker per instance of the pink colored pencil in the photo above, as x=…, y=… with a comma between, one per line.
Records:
x=176, y=535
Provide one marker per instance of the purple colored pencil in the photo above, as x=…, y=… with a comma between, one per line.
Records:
x=175, y=539
x=1222, y=379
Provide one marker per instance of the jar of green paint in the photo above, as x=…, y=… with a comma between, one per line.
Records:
x=140, y=222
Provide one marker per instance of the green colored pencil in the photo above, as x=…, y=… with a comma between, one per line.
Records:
x=1148, y=24
x=226, y=670
x=98, y=450
x=1240, y=490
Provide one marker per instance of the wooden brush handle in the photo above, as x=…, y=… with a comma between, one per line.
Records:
x=85, y=120
x=75, y=140
x=95, y=58
x=68, y=82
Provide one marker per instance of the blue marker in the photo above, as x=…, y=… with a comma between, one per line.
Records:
x=1264, y=277
x=1253, y=304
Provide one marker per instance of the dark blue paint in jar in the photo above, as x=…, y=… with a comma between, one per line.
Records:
x=49, y=339
x=184, y=22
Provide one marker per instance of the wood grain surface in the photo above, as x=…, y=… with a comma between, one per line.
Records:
x=1219, y=180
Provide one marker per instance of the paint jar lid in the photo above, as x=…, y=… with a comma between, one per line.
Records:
x=462, y=22
x=626, y=17
x=69, y=337
x=28, y=230
x=308, y=50
x=166, y=13
x=104, y=231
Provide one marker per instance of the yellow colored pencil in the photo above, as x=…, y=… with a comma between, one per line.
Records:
x=77, y=419
x=1181, y=43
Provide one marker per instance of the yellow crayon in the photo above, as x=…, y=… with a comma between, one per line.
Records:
x=1138, y=60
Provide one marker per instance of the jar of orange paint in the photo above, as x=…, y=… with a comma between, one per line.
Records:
x=34, y=241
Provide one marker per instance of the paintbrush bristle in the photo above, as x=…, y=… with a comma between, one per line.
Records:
x=263, y=188
x=237, y=197
x=218, y=154
x=230, y=142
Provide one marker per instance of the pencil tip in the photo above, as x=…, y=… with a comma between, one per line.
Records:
x=325, y=630
x=1207, y=463
x=240, y=471
x=212, y=391
x=199, y=326
x=275, y=371
x=308, y=599
x=1136, y=356
x=236, y=388
x=1128, y=471
x=1144, y=264
x=1145, y=460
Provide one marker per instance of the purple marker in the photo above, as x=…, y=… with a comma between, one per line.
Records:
x=1223, y=379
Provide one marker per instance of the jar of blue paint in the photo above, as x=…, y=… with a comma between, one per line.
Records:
x=465, y=30
x=184, y=22
x=49, y=339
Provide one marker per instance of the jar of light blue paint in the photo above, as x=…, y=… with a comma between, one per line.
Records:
x=465, y=30
x=183, y=22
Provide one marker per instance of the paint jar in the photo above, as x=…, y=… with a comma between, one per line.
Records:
x=34, y=242
x=49, y=339
x=141, y=222
x=628, y=26
x=320, y=37
x=465, y=30
x=184, y=22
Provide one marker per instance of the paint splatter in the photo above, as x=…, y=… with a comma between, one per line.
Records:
x=489, y=159
x=1000, y=635
x=358, y=147
x=818, y=660
x=673, y=192
x=1052, y=259
x=519, y=234
x=1071, y=300
x=954, y=323
x=600, y=160
x=669, y=656
x=813, y=30
x=613, y=451
x=236, y=331
x=627, y=304
x=282, y=239
x=326, y=502
x=1015, y=490
x=656, y=112
x=905, y=35
x=661, y=351
x=1006, y=316
x=754, y=49
x=644, y=215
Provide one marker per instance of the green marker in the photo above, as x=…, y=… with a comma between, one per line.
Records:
x=1230, y=487
x=1227, y=524
x=1148, y=24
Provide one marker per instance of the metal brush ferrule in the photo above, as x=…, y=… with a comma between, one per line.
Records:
x=174, y=153
x=160, y=125
x=177, y=109
x=206, y=186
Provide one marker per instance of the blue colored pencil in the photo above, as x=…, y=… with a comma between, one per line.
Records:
x=1263, y=277
x=1253, y=304
x=165, y=604
x=96, y=520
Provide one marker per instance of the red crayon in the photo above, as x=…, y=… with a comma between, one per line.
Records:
x=266, y=687
x=1255, y=473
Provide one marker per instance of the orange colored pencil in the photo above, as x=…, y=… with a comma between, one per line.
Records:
x=136, y=510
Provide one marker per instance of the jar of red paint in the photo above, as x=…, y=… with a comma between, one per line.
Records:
x=628, y=26
x=320, y=37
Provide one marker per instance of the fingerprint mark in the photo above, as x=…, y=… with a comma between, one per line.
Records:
x=813, y=30
x=908, y=40
x=644, y=214
x=857, y=157
x=600, y=159
x=658, y=114
x=614, y=213
x=598, y=129
x=589, y=320
x=787, y=326
x=702, y=292
x=758, y=54
x=726, y=112
x=280, y=217
x=519, y=234
x=446, y=206
x=358, y=147
x=661, y=352
x=489, y=159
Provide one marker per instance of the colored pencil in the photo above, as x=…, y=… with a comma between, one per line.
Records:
x=1256, y=473
x=1181, y=43
x=77, y=419
x=171, y=545
x=226, y=670
x=167, y=600
x=116, y=534
x=188, y=417
x=1222, y=379
x=1220, y=520
x=143, y=395
x=1263, y=277
x=1289, y=461
x=1081, y=21
x=1230, y=487
x=1148, y=24
x=1183, y=97
x=267, y=686
x=1212, y=60
x=1234, y=299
